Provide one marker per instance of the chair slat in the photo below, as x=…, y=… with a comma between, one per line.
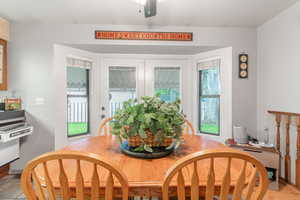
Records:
x=110, y=130
x=226, y=182
x=188, y=128
x=263, y=184
x=64, y=184
x=195, y=183
x=79, y=183
x=49, y=185
x=210, y=185
x=40, y=192
x=105, y=130
x=180, y=186
x=109, y=187
x=95, y=184
x=251, y=184
x=240, y=183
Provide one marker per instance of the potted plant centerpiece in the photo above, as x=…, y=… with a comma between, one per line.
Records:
x=150, y=128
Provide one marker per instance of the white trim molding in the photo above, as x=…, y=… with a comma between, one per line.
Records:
x=225, y=55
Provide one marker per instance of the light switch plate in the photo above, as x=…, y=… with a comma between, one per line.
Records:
x=39, y=101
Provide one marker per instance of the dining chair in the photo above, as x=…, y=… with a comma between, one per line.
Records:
x=105, y=128
x=250, y=182
x=43, y=188
x=188, y=128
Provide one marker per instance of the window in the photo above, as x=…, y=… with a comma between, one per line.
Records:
x=122, y=86
x=78, y=97
x=209, y=97
x=167, y=83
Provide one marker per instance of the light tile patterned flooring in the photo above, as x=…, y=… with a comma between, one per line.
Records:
x=10, y=189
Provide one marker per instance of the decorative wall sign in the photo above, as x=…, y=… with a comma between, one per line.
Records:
x=243, y=65
x=136, y=35
x=3, y=65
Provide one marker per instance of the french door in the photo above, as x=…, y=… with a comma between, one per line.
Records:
x=126, y=79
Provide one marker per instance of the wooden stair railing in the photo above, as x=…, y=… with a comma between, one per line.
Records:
x=287, y=116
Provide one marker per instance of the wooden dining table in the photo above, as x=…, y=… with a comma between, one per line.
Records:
x=145, y=176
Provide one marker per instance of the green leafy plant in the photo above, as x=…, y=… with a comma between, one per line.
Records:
x=162, y=119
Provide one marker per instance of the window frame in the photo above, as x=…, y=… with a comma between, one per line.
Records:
x=207, y=96
x=88, y=107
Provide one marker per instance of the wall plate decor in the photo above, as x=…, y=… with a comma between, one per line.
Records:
x=3, y=64
x=243, y=65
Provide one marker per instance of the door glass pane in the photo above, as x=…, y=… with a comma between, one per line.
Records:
x=210, y=81
x=167, y=83
x=77, y=96
x=122, y=86
x=210, y=115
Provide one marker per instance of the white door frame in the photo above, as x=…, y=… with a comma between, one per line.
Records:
x=60, y=95
x=225, y=55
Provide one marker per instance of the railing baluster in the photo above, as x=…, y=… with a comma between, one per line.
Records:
x=287, y=160
x=298, y=154
x=278, y=120
x=288, y=116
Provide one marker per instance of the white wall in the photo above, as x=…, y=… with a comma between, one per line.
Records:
x=278, y=72
x=31, y=70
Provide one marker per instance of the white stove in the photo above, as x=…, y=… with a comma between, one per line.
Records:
x=13, y=126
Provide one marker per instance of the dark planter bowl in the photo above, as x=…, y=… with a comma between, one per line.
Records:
x=158, y=152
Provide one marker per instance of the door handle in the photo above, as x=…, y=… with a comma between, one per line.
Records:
x=102, y=116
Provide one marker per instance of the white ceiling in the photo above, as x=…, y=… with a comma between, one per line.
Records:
x=142, y=49
x=233, y=13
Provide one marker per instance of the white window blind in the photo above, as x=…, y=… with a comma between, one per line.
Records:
x=208, y=64
x=77, y=62
x=167, y=77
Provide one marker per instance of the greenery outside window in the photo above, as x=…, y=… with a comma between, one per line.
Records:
x=209, y=97
x=167, y=83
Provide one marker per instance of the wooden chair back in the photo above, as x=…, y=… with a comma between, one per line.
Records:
x=188, y=128
x=243, y=183
x=105, y=128
x=34, y=189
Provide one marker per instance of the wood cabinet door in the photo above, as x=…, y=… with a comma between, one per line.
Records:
x=3, y=64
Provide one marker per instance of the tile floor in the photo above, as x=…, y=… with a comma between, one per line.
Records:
x=10, y=188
